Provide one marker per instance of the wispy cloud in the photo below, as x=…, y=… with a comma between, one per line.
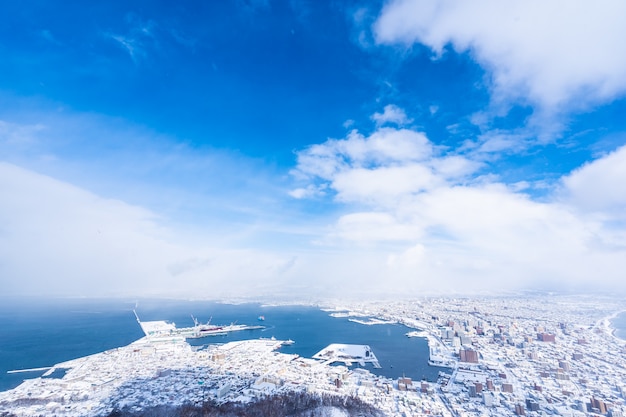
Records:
x=252, y=6
x=14, y=135
x=60, y=239
x=133, y=46
x=138, y=38
x=208, y=187
x=49, y=37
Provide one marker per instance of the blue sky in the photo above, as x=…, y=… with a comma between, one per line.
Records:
x=230, y=148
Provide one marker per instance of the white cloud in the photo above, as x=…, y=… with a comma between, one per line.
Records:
x=381, y=168
x=455, y=166
x=411, y=257
x=549, y=53
x=365, y=228
x=438, y=226
x=391, y=114
x=384, y=183
x=413, y=218
x=385, y=145
x=599, y=186
x=307, y=192
x=497, y=142
x=57, y=239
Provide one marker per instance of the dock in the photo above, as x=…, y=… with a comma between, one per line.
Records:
x=18, y=371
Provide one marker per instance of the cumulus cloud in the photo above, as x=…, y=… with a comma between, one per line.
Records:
x=598, y=186
x=389, y=164
x=545, y=53
x=391, y=114
x=439, y=225
x=407, y=217
x=382, y=183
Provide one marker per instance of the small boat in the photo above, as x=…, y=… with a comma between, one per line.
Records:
x=261, y=318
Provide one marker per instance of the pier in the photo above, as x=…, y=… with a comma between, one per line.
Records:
x=18, y=371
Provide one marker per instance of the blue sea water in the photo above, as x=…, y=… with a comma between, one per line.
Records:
x=37, y=333
x=619, y=324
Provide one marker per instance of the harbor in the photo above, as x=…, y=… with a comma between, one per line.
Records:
x=161, y=329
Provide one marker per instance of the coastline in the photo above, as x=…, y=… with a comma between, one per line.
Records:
x=608, y=326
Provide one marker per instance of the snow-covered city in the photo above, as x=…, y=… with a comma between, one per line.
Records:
x=498, y=356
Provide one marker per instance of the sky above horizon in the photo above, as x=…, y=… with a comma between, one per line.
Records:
x=326, y=148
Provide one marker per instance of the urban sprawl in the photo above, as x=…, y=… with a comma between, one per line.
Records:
x=534, y=356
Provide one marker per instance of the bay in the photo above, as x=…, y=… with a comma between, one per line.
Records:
x=40, y=333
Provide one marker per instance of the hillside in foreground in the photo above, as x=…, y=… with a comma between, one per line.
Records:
x=294, y=404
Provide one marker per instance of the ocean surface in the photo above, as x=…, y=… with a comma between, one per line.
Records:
x=38, y=333
x=619, y=324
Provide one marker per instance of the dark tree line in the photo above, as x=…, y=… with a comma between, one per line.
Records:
x=291, y=404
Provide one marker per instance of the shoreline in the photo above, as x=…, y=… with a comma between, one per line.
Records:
x=607, y=324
